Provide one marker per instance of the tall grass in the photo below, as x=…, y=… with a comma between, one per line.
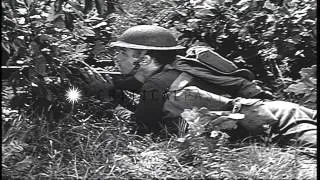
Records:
x=107, y=150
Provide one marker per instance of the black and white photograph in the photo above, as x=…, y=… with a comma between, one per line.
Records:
x=159, y=89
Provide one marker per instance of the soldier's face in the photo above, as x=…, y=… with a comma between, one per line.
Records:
x=125, y=59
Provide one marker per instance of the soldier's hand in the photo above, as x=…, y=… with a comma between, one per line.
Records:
x=97, y=85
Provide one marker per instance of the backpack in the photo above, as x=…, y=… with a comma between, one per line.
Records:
x=205, y=64
x=218, y=64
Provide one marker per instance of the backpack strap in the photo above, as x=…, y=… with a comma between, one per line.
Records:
x=182, y=80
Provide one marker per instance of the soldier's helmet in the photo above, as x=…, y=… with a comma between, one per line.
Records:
x=147, y=37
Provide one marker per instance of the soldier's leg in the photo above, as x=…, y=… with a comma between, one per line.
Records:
x=295, y=122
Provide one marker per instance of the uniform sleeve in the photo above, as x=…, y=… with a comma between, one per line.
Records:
x=128, y=83
x=124, y=100
x=237, y=86
x=149, y=113
x=245, y=88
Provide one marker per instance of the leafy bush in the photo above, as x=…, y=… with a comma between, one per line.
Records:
x=53, y=41
x=306, y=87
x=273, y=40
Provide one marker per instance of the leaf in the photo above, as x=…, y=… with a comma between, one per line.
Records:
x=196, y=120
x=313, y=81
x=199, y=13
x=242, y=2
x=228, y=125
x=309, y=72
x=93, y=19
x=76, y=6
x=87, y=31
x=204, y=110
x=8, y=111
x=21, y=20
x=299, y=88
x=35, y=17
x=99, y=25
x=312, y=98
x=21, y=2
x=22, y=11
x=44, y=14
x=182, y=13
x=28, y=2
x=223, y=123
x=244, y=8
x=52, y=15
x=301, y=13
x=269, y=5
x=292, y=41
x=34, y=84
x=6, y=46
x=214, y=134
x=181, y=140
x=299, y=52
x=310, y=82
x=81, y=47
x=18, y=43
x=193, y=20
x=271, y=18
x=190, y=115
x=79, y=56
x=45, y=50
x=309, y=21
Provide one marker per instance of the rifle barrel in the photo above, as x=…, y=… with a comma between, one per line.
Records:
x=109, y=72
x=13, y=67
x=7, y=70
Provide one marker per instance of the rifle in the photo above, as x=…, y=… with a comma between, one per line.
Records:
x=6, y=71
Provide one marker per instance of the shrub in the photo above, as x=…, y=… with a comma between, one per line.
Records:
x=271, y=39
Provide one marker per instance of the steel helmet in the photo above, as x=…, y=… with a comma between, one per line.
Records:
x=148, y=37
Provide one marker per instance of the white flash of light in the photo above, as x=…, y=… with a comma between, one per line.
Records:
x=73, y=95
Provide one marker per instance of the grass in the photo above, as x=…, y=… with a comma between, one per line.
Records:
x=107, y=150
x=91, y=144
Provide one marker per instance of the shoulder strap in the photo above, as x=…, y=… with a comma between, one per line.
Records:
x=182, y=80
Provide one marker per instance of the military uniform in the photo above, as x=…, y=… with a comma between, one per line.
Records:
x=148, y=112
x=293, y=121
x=155, y=113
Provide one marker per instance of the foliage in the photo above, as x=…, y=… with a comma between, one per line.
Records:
x=273, y=40
x=306, y=86
x=202, y=121
x=45, y=136
x=56, y=43
x=53, y=41
x=62, y=33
